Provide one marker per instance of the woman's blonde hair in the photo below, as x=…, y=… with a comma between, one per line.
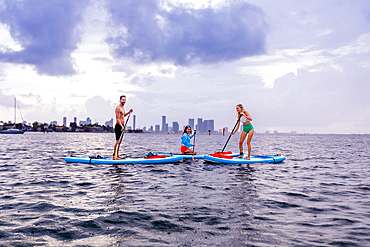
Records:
x=243, y=110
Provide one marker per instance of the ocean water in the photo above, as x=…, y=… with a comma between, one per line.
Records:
x=320, y=196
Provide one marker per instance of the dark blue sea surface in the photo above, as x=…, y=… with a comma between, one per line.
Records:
x=320, y=196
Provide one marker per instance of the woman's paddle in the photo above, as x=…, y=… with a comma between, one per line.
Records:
x=230, y=133
x=121, y=137
x=194, y=143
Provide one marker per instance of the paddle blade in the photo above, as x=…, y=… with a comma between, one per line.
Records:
x=221, y=156
x=228, y=152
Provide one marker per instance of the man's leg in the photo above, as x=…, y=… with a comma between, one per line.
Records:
x=116, y=151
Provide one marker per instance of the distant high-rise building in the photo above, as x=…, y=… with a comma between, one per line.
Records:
x=82, y=123
x=75, y=119
x=211, y=125
x=151, y=128
x=109, y=123
x=88, y=120
x=205, y=125
x=175, y=127
x=64, y=121
x=275, y=132
x=191, y=123
x=144, y=129
x=164, y=124
x=134, y=122
x=157, y=128
x=200, y=125
x=54, y=123
x=166, y=128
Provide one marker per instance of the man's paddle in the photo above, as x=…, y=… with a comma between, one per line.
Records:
x=121, y=137
x=195, y=132
x=230, y=133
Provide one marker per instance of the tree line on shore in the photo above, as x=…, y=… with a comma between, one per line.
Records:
x=44, y=127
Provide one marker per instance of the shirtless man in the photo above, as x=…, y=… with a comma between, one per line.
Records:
x=120, y=124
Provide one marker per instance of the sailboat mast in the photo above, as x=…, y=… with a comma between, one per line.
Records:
x=15, y=110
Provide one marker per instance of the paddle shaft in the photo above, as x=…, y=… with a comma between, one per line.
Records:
x=195, y=132
x=231, y=132
x=124, y=130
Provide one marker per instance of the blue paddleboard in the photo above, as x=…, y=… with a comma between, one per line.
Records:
x=252, y=160
x=190, y=156
x=95, y=160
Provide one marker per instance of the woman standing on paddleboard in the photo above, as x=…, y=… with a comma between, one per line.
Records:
x=185, y=141
x=248, y=129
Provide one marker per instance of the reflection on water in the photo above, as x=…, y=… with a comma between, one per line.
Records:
x=319, y=196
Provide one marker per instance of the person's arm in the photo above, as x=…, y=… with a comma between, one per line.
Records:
x=190, y=142
x=183, y=140
x=246, y=114
x=128, y=112
x=236, y=129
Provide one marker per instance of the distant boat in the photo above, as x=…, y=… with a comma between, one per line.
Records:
x=13, y=130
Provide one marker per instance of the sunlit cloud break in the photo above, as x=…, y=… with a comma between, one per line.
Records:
x=147, y=31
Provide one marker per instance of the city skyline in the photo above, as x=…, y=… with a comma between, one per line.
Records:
x=204, y=126
x=175, y=128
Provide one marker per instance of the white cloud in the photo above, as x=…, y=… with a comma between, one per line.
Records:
x=362, y=45
x=283, y=62
x=324, y=32
x=7, y=43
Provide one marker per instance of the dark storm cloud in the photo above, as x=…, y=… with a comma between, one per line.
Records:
x=147, y=32
x=47, y=30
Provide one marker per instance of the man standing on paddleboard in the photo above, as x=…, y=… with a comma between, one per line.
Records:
x=120, y=124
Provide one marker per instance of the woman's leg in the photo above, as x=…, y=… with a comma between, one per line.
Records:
x=242, y=138
x=249, y=139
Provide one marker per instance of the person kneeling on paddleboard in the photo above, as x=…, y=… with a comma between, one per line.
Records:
x=185, y=141
x=248, y=129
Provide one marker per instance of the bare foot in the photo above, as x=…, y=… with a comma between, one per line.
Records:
x=248, y=158
x=118, y=158
x=240, y=156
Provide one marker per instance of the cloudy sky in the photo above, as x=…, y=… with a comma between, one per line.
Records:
x=294, y=65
